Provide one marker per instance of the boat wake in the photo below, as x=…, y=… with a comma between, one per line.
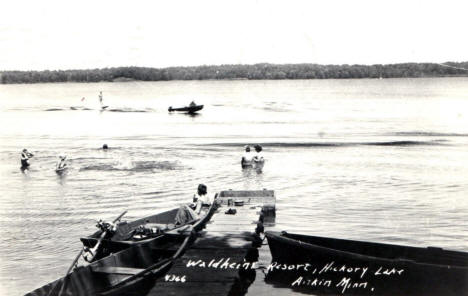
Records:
x=335, y=144
x=55, y=109
x=130, y=110
x=428, y=134
x=80, y=108
x=133, y=166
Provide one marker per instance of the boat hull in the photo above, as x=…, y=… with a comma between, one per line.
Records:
x=122, y=272
x=104, y=276
x=360, y=268
x=188, y=109
x=122, y=238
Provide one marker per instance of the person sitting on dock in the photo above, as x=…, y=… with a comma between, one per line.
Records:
x=192, y=212
x=25, y=156
x=202, y=197
x=247, y=157
x=185, y=214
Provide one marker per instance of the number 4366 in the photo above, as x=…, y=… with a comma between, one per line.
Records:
x=174, y=278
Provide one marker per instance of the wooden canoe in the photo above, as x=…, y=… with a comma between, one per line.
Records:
x=340, y=266
x=129, y=269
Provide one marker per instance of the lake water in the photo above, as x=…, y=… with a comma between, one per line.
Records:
x=381, y=160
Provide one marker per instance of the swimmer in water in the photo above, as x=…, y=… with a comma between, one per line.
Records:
x=61, y=163
x=25, y=156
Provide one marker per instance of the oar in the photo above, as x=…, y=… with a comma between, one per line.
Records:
x=94, y=250
x=78, y=257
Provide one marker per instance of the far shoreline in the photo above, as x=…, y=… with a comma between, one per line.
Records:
x=240, y=72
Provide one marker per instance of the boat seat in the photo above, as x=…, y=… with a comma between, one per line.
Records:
x=117, y=270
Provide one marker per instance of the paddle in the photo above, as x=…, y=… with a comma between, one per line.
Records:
x=81, y=252
x=95, y=249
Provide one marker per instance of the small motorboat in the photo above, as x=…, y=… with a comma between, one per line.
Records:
x=337, y=266
x=122, y=272
x=188, y=109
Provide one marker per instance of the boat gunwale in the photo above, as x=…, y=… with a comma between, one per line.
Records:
x=279, y=236
x=167, y=261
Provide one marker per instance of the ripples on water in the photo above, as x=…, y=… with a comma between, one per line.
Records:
x=362, y=159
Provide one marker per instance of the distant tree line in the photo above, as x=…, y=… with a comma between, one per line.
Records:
x=257, y=71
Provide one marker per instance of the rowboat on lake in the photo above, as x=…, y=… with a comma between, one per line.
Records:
x=129, y=269
x=340, y=266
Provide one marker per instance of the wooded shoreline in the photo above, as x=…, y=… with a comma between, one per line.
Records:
x=251, y=72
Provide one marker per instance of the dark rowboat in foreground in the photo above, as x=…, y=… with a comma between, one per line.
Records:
x=188, y=109
x=130, y=269
x=128, y=234
x=337, y=266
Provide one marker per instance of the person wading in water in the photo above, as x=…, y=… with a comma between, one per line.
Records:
x=25, y=156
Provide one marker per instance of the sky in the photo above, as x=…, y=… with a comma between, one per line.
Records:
x=46, y=34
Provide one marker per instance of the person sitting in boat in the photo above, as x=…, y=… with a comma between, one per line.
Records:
x=25, y=156
x=192, y=104
x=61, y=163
x=105, y=147
x=258, y=155
x=247, y=158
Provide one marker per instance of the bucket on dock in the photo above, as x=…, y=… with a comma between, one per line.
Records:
x=238, y=203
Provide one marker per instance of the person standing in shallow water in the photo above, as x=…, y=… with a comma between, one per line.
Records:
x=258, y=155
x=247, y=158
x=61, y=163
x=25, y=156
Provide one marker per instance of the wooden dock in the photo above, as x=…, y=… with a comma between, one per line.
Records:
x=223, y=259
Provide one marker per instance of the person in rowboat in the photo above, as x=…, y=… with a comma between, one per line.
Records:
x=61, y=163
x=25, y=156
x=192, y=104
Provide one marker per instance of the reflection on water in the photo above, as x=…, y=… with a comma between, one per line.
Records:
x=379, y=160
